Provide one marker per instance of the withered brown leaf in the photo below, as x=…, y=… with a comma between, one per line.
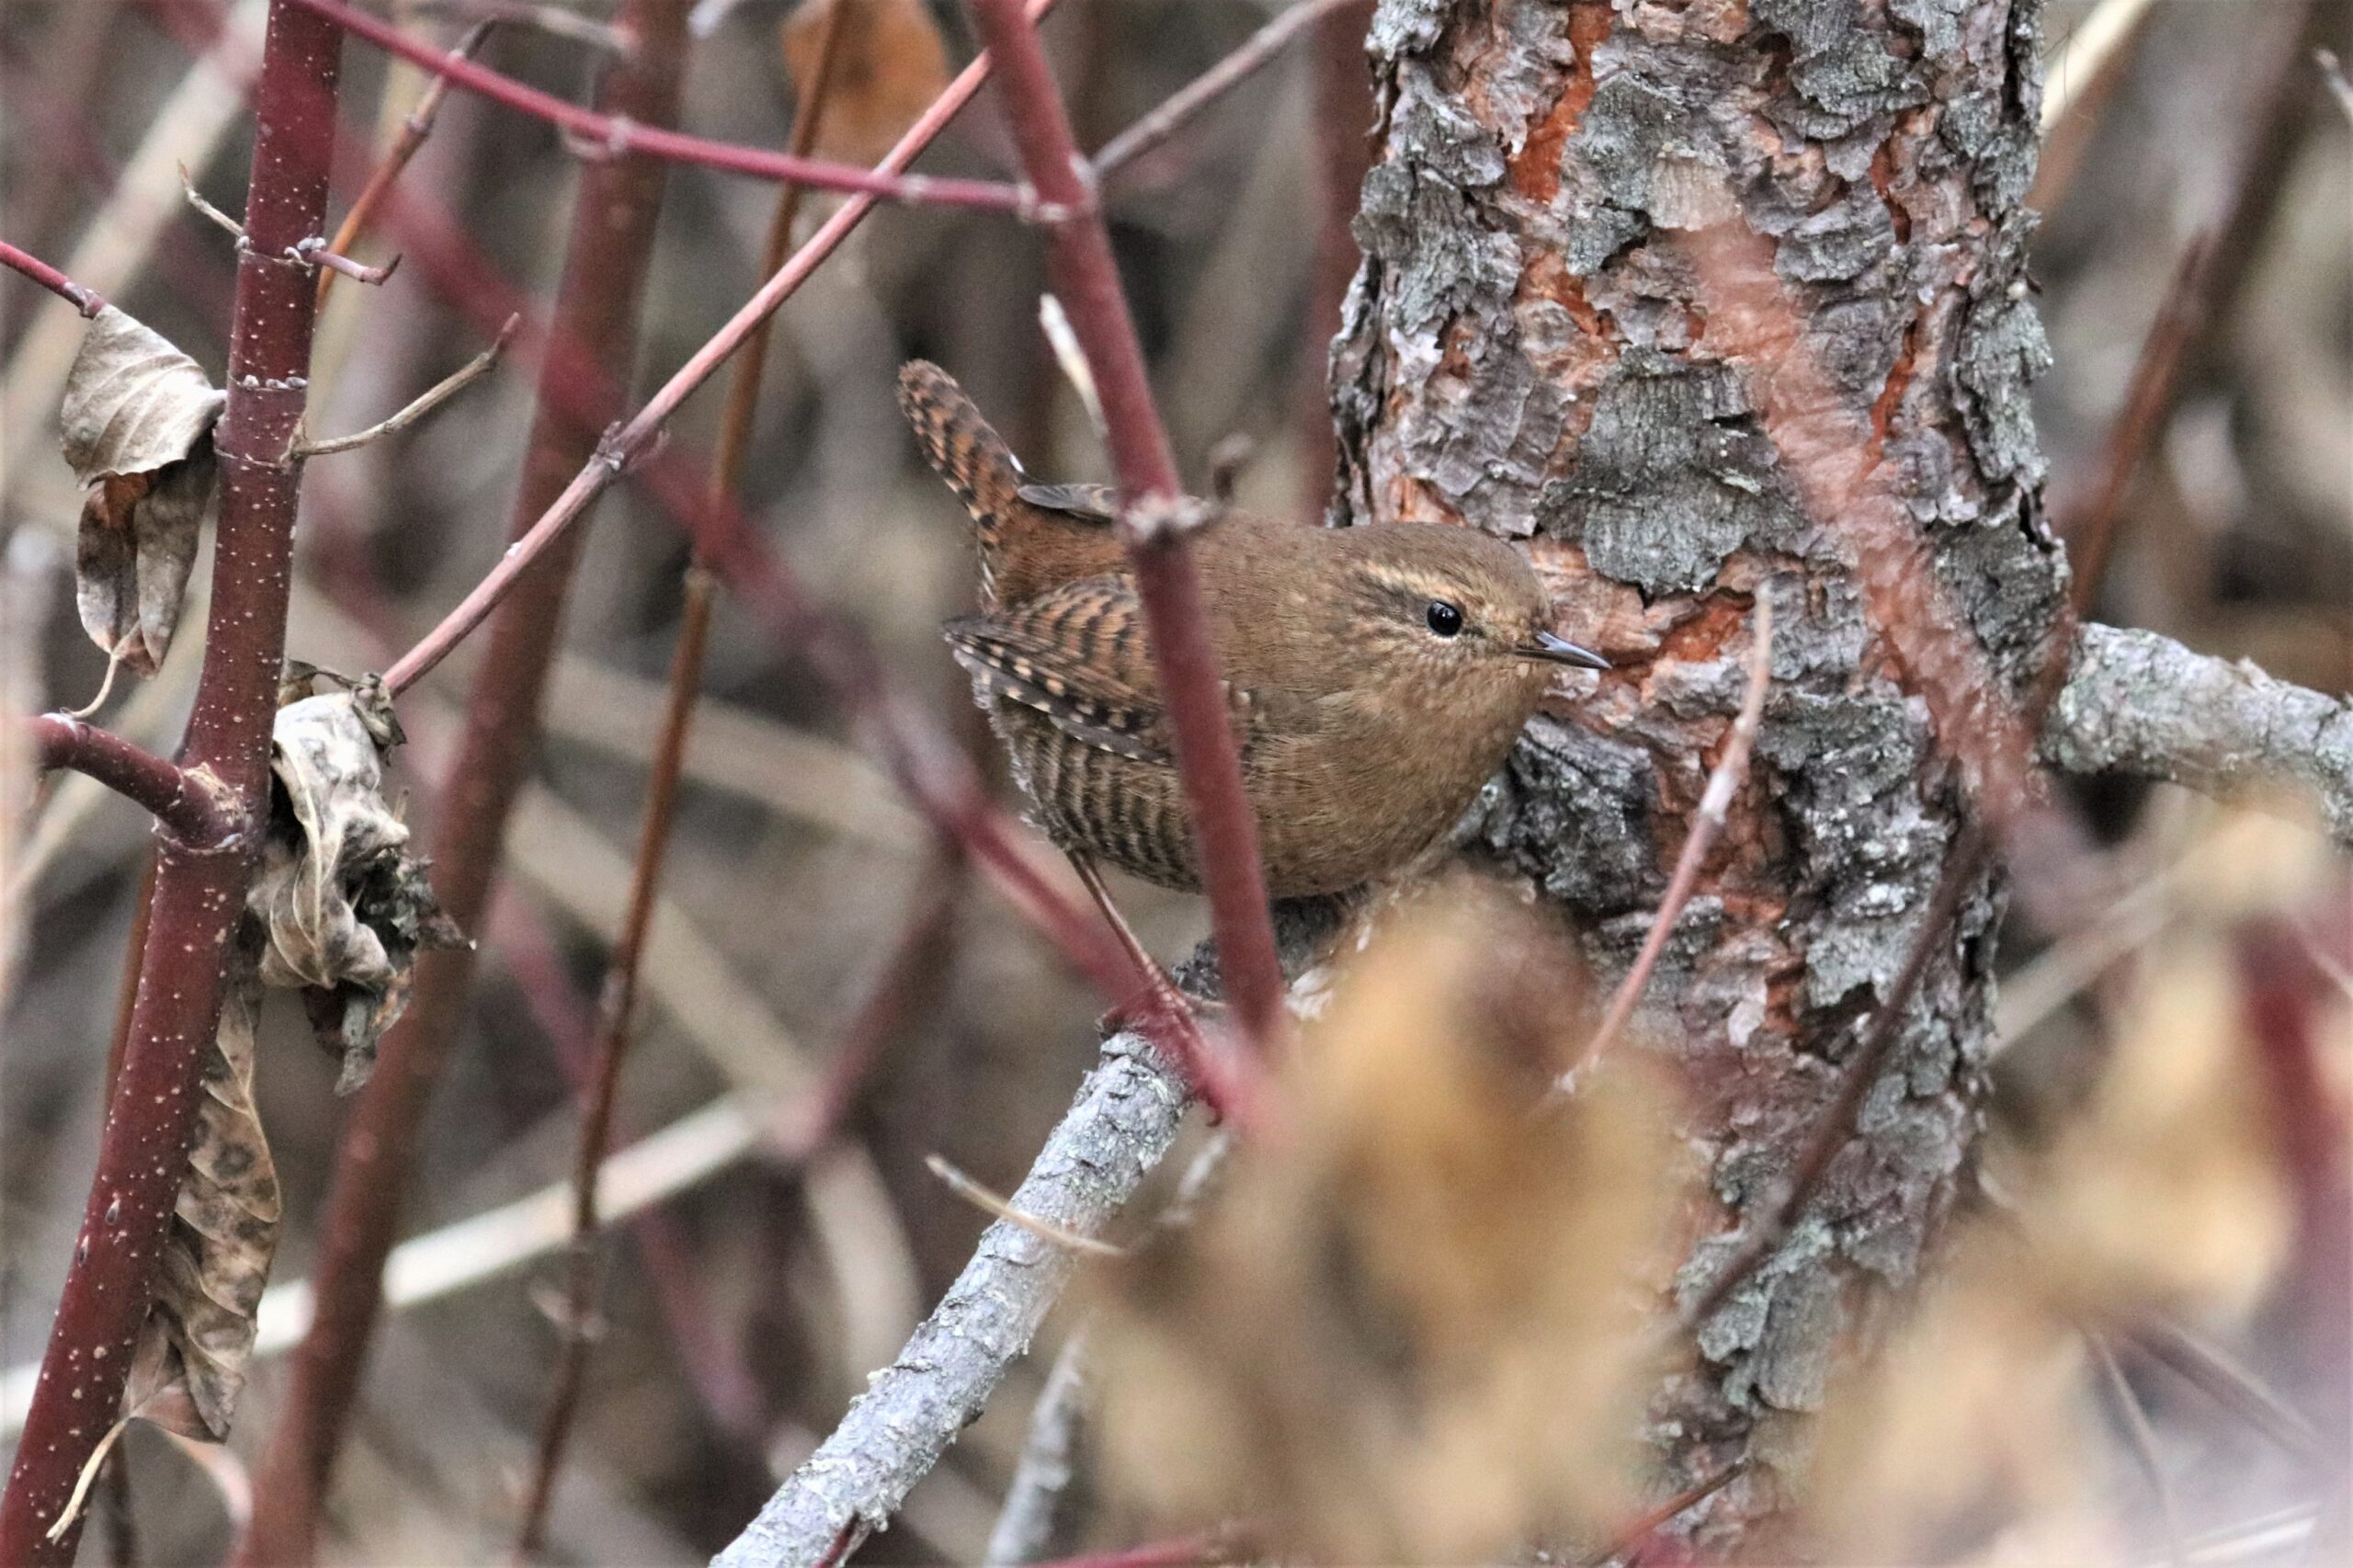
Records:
x=343, y=905
x=1411, y=1330
x=889, y=65
x=190, y=1366
x=136, y=427
x=338, y=910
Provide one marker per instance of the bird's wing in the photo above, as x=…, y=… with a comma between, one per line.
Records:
x=1078, y=655
x=1087, y=503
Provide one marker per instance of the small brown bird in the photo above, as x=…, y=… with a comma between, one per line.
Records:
x=1377, y=676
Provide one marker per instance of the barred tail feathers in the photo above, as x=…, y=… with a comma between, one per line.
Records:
x=971, y=456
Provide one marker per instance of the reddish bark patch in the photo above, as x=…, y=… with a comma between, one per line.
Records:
x=1536, y=172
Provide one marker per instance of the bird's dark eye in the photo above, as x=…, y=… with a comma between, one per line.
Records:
x=1444, y=619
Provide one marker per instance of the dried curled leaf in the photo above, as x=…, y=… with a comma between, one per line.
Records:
x=190, y=1366
x=889, y=65
x=136, y=426
x=338, y=910
x=1414, y=1331
x=343, y=905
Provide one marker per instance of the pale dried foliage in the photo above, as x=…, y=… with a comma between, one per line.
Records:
x=337, y=912
x=136, y=426
x=1977, y=1434
x=1412, y=1329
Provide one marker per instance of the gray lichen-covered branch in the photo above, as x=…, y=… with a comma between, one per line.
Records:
x=1117, y=1131
x=2139, y=703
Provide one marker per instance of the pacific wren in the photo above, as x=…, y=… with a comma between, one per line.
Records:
x=1377, y=676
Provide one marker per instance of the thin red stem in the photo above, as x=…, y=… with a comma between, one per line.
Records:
x=199, y=892
x=597, y=303
x=415, y=130
x=1168, y=581
x=190, y=807
x=612, y=135
x=1179, y=109
x=928, y=765
x=1707, y=824
x=2088, y=527
x=86, y=301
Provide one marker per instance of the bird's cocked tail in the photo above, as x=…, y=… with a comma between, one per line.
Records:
x=969, y=455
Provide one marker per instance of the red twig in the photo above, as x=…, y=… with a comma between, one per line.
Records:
x=1707, y=823
x=616, y=1013
x=605, y=268
x=1179, y=108
x=1632, y=1539
x=935, y=775
x=1086, y=279
x=618, y=1007
x=2088, y=524
x=2282, y=990
x=1963, y=864
x=615, y=134
x=86, y=301
x=1344, y=114
x=415, y=130
x=188, y=804
x=1832, y=459
x=199, y=892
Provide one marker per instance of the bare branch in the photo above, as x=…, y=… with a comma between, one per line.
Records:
x=432, y=398
x=1120, y=1128
x=1707, y=823
x=2141, y=704
x=1167, y=579
x=415, y=130
x=1179, y=108
x=199, y=889
x=556, y=21
x=1026, y=1523
x=86, y=301
x=614, y=134
x=192, y=806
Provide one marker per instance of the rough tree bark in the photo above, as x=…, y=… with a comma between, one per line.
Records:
x=1527, y=351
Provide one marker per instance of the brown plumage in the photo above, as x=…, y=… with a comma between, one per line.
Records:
x=1377, y=676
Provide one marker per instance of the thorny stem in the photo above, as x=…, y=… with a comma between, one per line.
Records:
x=616, y=134
x=86, y=301
x=618, y=1003
x=187, y=805
x=1707, y=824
x=1168, y=581
x=199, y=892
x=414, y=132
x=1179, y=108
x=605, y=268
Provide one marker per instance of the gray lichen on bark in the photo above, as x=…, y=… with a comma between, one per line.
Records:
x=1527, y=350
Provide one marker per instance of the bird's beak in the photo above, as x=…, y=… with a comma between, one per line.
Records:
x=1561, y=651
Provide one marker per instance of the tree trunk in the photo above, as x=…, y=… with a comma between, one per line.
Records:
x=1527, y=350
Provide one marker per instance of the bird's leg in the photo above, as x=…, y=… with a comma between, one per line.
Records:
x=1161, y=983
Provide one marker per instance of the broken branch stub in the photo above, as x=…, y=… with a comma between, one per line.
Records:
x=136, y=427
x=338, y=910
